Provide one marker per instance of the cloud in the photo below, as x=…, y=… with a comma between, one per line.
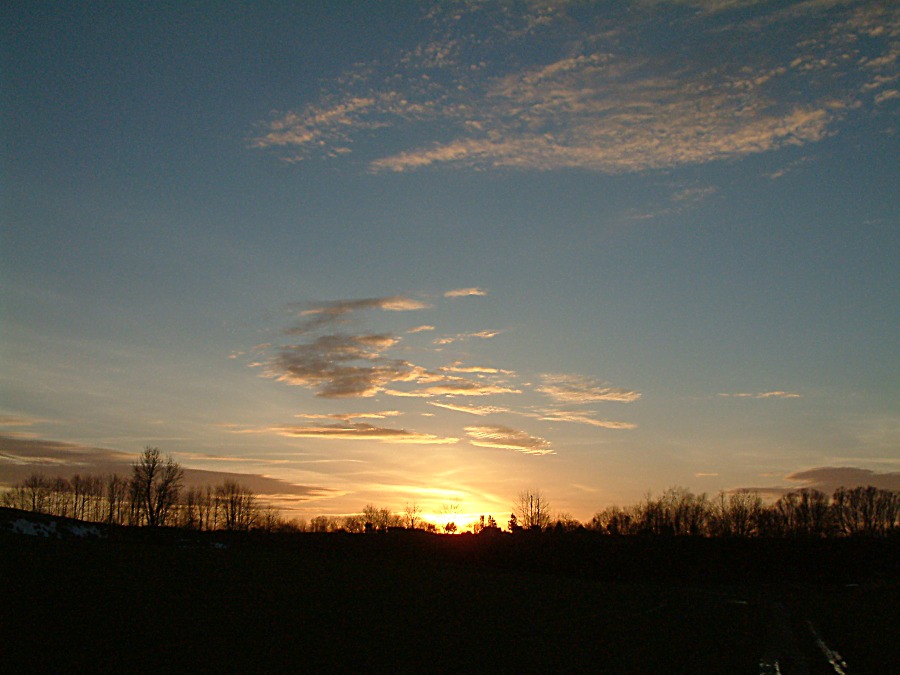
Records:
x=342, y=366
x=420, y=329
x=18, y=421
x=20, y=458
x=579, y=389
x=360, y=431
x=456, y=387
x=464, y=292
x=482, y=334
x=508, y=439
x=457, y=367
x=829, y=478
x=480, y=410
x=583, y=417
x=331, y=312
x=602, y=100
x=13, y=425
x=346, y=417
x=345, y=365
x=397, y=303
x=764, y=394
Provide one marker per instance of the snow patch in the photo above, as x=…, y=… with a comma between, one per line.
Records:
x=49, y=529
x=46, y=530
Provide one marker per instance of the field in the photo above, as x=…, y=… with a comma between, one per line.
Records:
x=400, y=602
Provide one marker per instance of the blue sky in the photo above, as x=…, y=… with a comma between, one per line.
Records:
x=443, y=252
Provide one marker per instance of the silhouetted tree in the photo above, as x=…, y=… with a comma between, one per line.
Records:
x=735, y=514
x=866, y=511
x=450, y=512
x=412, y=514
x=565, y=522
x=155, y=485
x=116, y=499
x=532, y=509
x=805, y=513
x=59, y=501
x=380, y=518
x=37, y=491
x=238, y=505
x=354, y=523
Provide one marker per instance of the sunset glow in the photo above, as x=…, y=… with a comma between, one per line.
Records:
x=437, y=253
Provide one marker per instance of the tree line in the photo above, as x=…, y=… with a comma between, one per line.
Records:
x=154, y=495
x=807, y=512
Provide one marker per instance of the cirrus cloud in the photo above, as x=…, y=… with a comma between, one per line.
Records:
x=508, y=439
x=583, y=417
x=464, y=292
x=763, y=394
x=361, y=431
x=601, y=100
x=579, y=389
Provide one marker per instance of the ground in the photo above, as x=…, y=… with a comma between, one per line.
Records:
x=406, y=603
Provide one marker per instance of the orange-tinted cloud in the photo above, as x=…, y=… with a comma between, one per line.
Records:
x=613, y=109
x=508, y=439
x=580, y=389
x=479, y=410
x=764, y=394
x=360, y=431
x=346, y=417
x=583, y=417
x=21, y=458
x=464, y=292
x=457, y=387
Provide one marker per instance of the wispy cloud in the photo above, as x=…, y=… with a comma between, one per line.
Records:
x=346, y=417
x=763, y=394
x=360, y=431
x=508, y=439
x=464, y=292
x=579, y=389
x=603, y=100
x=20, y=458
x=397, y=303
x=316, y=316
x=583, y=417
x=18, y=421
x=420, y=329
x=482, y=334
x=480, y=410
x=456, y=387
x=457, y=367
x=17, y=426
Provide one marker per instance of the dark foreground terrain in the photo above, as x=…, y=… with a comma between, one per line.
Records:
x=139, y=601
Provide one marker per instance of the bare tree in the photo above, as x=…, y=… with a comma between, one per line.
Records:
x=451, y=511
x=239, y=508
x=532, y=509
x=412, y=515
x=155, y=485
x=735, y=514
x=379, y=519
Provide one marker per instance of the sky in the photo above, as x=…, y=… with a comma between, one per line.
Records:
x=441, y=253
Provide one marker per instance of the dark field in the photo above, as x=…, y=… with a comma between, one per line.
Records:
x=408, y=603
